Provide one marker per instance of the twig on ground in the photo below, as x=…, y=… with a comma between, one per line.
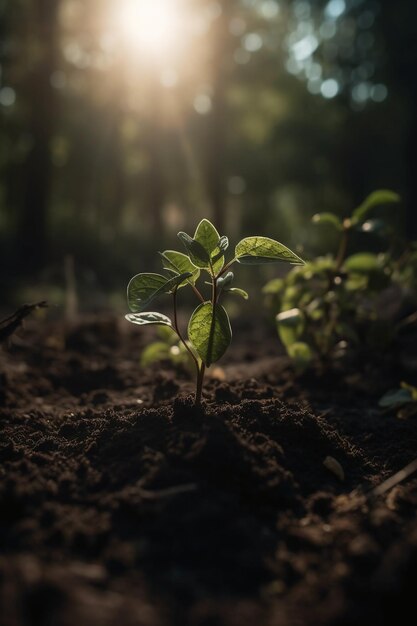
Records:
x=10, y=325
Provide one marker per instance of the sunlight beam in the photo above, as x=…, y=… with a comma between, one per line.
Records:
x=150, y=27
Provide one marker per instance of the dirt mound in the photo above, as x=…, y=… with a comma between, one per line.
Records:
x=121, y=503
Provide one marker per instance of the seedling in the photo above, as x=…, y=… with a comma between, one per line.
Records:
x=209, y=332
x=331, y=305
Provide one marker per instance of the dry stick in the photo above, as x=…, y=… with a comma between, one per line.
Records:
x=9, y=325
x=169, y=492
x=394, y=480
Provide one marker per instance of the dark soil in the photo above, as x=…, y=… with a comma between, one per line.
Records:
x=121, y=504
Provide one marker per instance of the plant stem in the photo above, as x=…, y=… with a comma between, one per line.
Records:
x=177, y=330
x=200, y=369
x=200, y=379
x=225, y=268
x=197, y=292
x=342, y=249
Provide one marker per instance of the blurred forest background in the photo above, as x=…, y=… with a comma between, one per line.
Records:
x=124, y=121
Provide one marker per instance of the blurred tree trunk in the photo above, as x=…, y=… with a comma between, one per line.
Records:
x=32, y=228
x=217, y=129
x=154, y=191
x=411, y=214
x=398, y=21
x=155, y=184
x=216, y=148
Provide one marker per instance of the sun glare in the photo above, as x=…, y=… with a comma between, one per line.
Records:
x=150, y=26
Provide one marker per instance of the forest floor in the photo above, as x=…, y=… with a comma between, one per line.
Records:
x=121, y=504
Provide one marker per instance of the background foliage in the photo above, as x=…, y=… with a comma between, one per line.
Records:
x=258, y=114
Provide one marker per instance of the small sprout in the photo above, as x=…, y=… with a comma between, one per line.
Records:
x=334, y=466
x=209, y=330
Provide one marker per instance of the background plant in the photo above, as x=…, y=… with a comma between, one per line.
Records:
x=209, y=331
x=402, y=401
x=334, y=304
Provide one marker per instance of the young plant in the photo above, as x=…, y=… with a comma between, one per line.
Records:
x=209, y=332
x=333, y=304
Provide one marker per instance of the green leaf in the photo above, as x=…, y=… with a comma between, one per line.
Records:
x=144, y=288
x=258, y=250
x=288, y=335
x=209, y=332
x=198, y=255
x=290, y=319
x=238, y=292
x=206, y=235
x=328, y=219
x=395, y=399
x=375, y=199
x=147, y=319
x=225, y=281
x=180, y=263
x=363, y=263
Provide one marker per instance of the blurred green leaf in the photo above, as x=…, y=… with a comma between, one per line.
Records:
x=362, y=263
x=374, y=200
x=154, y=352
x=238, y=292
x=329, y=219
x=274, y=286
x=395, y=399
x=301, y=354
x=290, y=319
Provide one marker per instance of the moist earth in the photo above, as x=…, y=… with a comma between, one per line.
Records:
x=121, y=503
